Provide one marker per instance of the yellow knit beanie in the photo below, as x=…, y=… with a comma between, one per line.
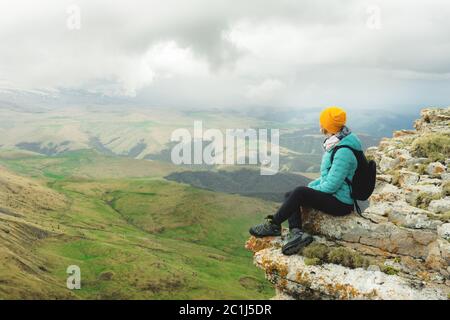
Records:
x=333, y=119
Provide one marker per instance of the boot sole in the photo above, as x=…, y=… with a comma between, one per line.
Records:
x=296, y=247
x=262, y=236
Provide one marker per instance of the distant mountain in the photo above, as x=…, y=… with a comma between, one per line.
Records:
x=245, y=182
x=37, y=101
x=304, y=149
x=56, y=121
x=306, y=141
x=373, y=122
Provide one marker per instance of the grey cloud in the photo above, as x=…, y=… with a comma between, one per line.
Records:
x=293, y=53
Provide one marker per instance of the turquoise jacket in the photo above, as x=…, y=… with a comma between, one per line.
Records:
x=344, y=166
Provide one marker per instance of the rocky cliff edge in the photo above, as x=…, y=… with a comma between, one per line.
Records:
x=400, y=249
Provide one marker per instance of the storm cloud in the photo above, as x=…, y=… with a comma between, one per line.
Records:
x=208, y=53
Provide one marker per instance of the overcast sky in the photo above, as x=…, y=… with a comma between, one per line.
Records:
x=195, y=53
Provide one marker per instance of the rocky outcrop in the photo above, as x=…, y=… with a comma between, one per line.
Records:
x=400, y=249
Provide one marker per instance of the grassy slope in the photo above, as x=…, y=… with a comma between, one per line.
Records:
x=141, y=237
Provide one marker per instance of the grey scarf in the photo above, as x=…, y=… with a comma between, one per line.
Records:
x=332, y=141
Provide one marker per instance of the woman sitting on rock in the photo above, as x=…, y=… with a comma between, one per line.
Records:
x=330, y=193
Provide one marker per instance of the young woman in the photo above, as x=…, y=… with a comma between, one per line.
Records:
x=329, y=193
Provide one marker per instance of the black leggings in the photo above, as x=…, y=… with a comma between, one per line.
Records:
x=307, y=197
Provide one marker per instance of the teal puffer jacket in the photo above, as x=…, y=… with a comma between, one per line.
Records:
x=344, y=166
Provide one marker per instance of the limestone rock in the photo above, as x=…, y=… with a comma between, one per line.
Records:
x=385, y=236
x=444, y=231
x=444, y=247
x=435, y=169
x=371, y=151
x=422, y=194
x=386, y=192
x=440, y=205
x=394, y=151
x=426, y=179
x=402, y=133
x=432, y=119
x=416, y=161
x=298, y=280
x=408, y=216
x=404, y=232
x=407, y=178
x=388, y=163
x=384, y=178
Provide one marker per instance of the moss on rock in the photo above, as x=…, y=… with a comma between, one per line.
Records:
x=433, y=146
x=446, y=189
x=347, y=258
x=316, y=250
x=423, y=199
x=312, y=261
x=318, y=253
x=389, y=270
x=395, y=174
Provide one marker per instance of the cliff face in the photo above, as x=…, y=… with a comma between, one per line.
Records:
x=401, y=250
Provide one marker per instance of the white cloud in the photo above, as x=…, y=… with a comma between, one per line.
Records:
x=212, y=52
x=266, y=91
x=168, y=59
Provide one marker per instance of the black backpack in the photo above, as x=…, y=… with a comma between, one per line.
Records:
x=363, y=182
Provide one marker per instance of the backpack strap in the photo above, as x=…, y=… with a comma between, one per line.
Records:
x=336, y=148
x=358, y=209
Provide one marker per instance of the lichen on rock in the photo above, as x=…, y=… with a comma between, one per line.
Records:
x=399, y=250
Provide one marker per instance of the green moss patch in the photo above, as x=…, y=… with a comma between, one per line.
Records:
x=318, y=253
x=446, y=189
x=389, y=270
x=434, y=146
x=312, y=261
x=423, y=199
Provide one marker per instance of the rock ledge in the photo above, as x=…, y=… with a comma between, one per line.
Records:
x=402, y=243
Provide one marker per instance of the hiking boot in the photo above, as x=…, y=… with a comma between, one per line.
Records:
x=296, y=240
x=266, y=229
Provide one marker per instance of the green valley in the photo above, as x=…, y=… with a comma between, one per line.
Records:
x=133, y=234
